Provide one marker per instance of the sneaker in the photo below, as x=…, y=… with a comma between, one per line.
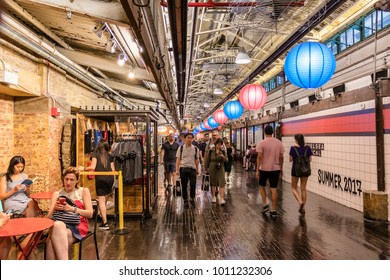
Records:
x=227, y=180
x=104, y=226
x=265, y=208
x=168, y=187
x=273, y=213
x=186, y=204
x=221, y=201
x=214, y=199
x=192, y=201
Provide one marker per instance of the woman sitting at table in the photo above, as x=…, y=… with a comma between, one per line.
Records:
x=63, y=234
x=13, y=193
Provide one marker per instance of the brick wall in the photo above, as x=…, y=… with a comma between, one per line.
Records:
x=26, y=126
x=6, y=131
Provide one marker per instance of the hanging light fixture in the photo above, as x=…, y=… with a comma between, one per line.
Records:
x=309, y=65
x=252, y=97
x=212, y=123
x=206, y=105
x=110, y=45
x=121, y=59
x=220, y=117
x=131, y=74
x=242, y=57
x=218, y=91
x=233, y=109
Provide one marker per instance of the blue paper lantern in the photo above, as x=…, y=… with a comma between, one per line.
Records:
x=212, y=123
x=233, y=109
x=309, y=65
x=202, y=127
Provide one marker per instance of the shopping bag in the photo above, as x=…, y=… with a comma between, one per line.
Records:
x=206, y=183
x=178, y=188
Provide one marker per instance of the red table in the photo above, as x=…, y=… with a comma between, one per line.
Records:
x=41, y=195
x=24, y=226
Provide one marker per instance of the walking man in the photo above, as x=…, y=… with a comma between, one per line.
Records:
x=270, y=167
x=187, y=165
x=168, y=156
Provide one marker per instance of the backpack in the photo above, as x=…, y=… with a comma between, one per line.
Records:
x=181, y=151
x=302, y=164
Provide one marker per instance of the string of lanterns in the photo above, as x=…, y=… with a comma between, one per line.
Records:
x=308, y=65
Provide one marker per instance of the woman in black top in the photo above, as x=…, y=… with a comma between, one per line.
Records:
x=299, y=147
x=102, y=161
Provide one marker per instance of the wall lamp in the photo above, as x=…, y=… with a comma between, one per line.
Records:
x=131, y=74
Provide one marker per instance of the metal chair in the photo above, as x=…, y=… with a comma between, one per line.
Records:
x=95, y=204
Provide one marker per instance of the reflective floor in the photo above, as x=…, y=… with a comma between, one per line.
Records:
x=239, y=231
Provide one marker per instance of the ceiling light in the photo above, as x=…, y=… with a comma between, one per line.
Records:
x=201, y=111
x=131, y=73
x=110, y=46
x=98, y=29
x=206, y=105
x=218, y=91
x=243, y=57
x=121, y=59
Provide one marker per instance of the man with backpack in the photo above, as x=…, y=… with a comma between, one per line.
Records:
x=269, y=167
x=187, y=165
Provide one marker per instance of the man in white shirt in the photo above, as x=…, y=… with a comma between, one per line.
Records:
x=187, y=165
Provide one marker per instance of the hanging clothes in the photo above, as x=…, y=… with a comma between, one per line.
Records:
x=128, y=158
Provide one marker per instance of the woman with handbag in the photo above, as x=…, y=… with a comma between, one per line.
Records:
x=299, y=149
x=215, y=160
x=70, y=208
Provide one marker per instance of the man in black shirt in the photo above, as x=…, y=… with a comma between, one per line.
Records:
x=168, y=156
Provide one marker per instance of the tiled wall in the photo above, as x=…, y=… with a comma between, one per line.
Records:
x=344, y=141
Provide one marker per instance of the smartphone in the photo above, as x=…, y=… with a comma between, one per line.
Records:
x=62, y=200
x=9, y=211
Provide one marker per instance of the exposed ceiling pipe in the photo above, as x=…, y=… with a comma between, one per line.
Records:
x=26, y=38
x=193, y=33
x=177, y=12
x=312, y=22
x=211, y=4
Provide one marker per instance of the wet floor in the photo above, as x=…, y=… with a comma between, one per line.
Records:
x=238, y=231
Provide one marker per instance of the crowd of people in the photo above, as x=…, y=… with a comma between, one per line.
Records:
x=184, y=160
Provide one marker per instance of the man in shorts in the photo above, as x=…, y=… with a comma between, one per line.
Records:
x=270, y=166
x=168, y=156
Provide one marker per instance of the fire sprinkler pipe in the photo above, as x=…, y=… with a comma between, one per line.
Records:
x=211, y=4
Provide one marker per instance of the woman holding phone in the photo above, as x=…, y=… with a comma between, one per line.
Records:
x=70, y=199
x=15, y=192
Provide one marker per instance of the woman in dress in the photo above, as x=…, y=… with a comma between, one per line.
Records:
x=214, y=164
x=62, y=234
x=13, y=193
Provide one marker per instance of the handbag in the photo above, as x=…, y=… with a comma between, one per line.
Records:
x=206, y=183
x=66, y=217
x=177, y=189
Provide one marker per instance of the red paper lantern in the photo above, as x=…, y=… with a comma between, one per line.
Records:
x=220, y=117
x=206, y=125
x=252, y=97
